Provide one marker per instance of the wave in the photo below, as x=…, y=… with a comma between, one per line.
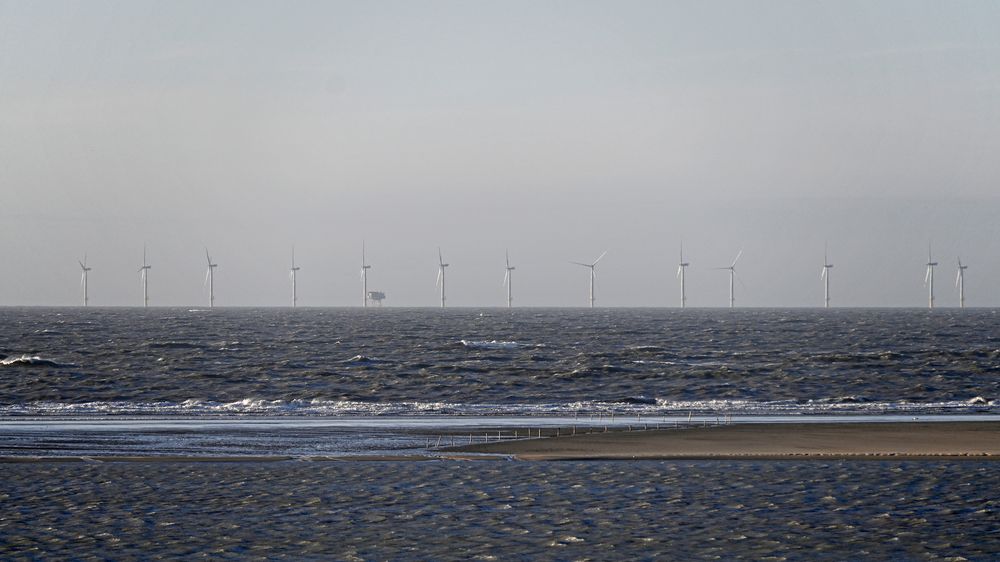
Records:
x=173, y=345
x=634, y=405
x=495, y=344
x=364, y=360
x=30, y=361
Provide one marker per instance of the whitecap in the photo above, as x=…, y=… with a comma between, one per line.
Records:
x=29, y=361
x=494, y=344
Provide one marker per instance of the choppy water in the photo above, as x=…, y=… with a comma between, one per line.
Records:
x=503, y=510
x=323, y=362
x=185, y=382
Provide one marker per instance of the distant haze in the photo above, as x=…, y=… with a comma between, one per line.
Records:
x=556, y=130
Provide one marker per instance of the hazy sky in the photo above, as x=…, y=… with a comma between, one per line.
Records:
x=555, y=129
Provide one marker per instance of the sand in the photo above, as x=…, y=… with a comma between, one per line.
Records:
x=912, y=440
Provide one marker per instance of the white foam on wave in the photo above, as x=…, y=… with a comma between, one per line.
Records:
x=494, y=344
x=318, y=407
x=32, y=360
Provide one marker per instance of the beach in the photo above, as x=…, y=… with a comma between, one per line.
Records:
x=910, y=440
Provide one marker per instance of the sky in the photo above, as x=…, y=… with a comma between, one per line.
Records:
x=554, y=130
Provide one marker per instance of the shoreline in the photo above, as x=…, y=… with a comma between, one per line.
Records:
x=859, y=441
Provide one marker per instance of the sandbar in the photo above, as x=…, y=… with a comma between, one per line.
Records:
x=874, y=441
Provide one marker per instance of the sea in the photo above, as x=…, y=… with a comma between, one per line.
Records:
x=321, y=433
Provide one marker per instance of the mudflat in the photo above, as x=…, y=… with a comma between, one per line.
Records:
x=914, y=440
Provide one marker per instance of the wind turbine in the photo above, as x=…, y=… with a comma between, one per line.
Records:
x=506, y=277
x=681, y=267
x=825, y=276
x=732, y=279
x=295, y=294
x=960, y=283
x=593, y=275
x=83, y=278
x=210, y=279
x=364, y=277
x=145, y=278
x=929, y=278
x=440, y=279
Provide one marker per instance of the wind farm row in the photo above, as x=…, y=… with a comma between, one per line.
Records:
x=369, y=297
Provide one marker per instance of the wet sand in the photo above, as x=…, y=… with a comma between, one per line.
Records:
x=912, y=440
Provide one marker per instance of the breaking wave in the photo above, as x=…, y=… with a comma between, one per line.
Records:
x=495, y=344
x=636, y=405
x=29, y=361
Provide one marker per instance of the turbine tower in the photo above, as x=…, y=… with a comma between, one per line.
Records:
x=83, y=278
x=295, y=294
x=960, y=283
x=440, y=279
x=732, y=279
x=929, y=278
x=210, y=279
x=364, y=277
x=681, y=267
x=825, y=276
x=593, y=275
x=145, y=278
x=506, y=278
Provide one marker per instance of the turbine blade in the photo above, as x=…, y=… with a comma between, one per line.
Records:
x=822, y=274
x=600, y=258
x=506, y=278
x=740, y=279
x=737, y=258
x=82, y=277
x=927, y=276
x=578, y=263
x=85, y=267
x=958, y=278
x=208, y=272
x=440, y=275
x=679, y=269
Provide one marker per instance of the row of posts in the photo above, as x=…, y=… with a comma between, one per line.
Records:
x=487, y=437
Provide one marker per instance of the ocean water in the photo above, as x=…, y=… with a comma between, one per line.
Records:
x=405, y=362
x=341, y=382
